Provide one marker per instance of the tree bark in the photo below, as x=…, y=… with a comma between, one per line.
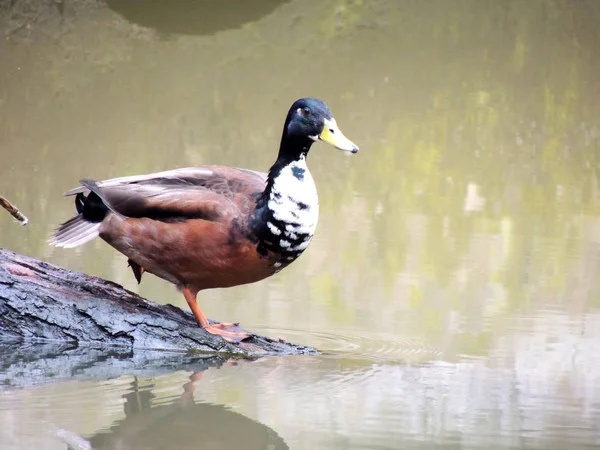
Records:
x=40, y=301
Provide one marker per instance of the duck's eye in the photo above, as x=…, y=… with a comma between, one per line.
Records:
x=304, y=112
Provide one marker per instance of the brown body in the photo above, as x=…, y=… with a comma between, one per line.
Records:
x=189, y=226
x=198, y=253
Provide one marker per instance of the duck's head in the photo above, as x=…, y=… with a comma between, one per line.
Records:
x=310, y=120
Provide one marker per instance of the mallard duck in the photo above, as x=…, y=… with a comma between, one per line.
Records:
x=211, y=226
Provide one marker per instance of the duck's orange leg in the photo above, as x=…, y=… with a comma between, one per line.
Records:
x=216, y=328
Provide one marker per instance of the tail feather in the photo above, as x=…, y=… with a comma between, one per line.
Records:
x=95, y=189
x=75, y=232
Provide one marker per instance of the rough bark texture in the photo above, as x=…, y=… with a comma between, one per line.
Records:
x=40, y=301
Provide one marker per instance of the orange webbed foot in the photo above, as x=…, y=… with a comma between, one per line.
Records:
x=225, y=325
x=222, y=329
x=225, y=330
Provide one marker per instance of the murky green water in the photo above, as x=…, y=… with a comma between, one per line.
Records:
x=453, y=281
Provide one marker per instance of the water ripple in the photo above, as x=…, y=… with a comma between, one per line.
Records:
x=358, y=344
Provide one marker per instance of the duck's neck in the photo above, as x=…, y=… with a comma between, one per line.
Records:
x=292, y=153
x=289, y=207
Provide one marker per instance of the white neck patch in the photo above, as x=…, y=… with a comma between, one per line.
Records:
x=293, y=201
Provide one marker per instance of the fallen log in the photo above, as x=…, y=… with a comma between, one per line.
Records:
x=41, y=301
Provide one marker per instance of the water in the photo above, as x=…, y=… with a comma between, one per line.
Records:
x=452, y=283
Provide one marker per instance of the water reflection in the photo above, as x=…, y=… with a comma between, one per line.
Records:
x=184, y=424
x=196, y=17
x=543, y=384
x=28, y=364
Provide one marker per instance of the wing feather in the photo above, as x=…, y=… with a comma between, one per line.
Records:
x=209, y=193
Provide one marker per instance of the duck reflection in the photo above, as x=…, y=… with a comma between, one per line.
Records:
x=184, y=424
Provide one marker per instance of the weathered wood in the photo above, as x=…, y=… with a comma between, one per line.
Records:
x=40, y=301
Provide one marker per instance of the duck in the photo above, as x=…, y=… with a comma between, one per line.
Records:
x=211, y=226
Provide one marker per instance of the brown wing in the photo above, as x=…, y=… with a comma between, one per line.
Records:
x=210, y=193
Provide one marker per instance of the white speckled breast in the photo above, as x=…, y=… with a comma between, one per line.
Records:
x=292, y=211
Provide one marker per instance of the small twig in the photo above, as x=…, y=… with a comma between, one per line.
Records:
x=13, y=211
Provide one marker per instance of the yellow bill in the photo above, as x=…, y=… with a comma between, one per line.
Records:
x=333, y=136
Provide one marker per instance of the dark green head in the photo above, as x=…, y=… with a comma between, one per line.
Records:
x=309, y=120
